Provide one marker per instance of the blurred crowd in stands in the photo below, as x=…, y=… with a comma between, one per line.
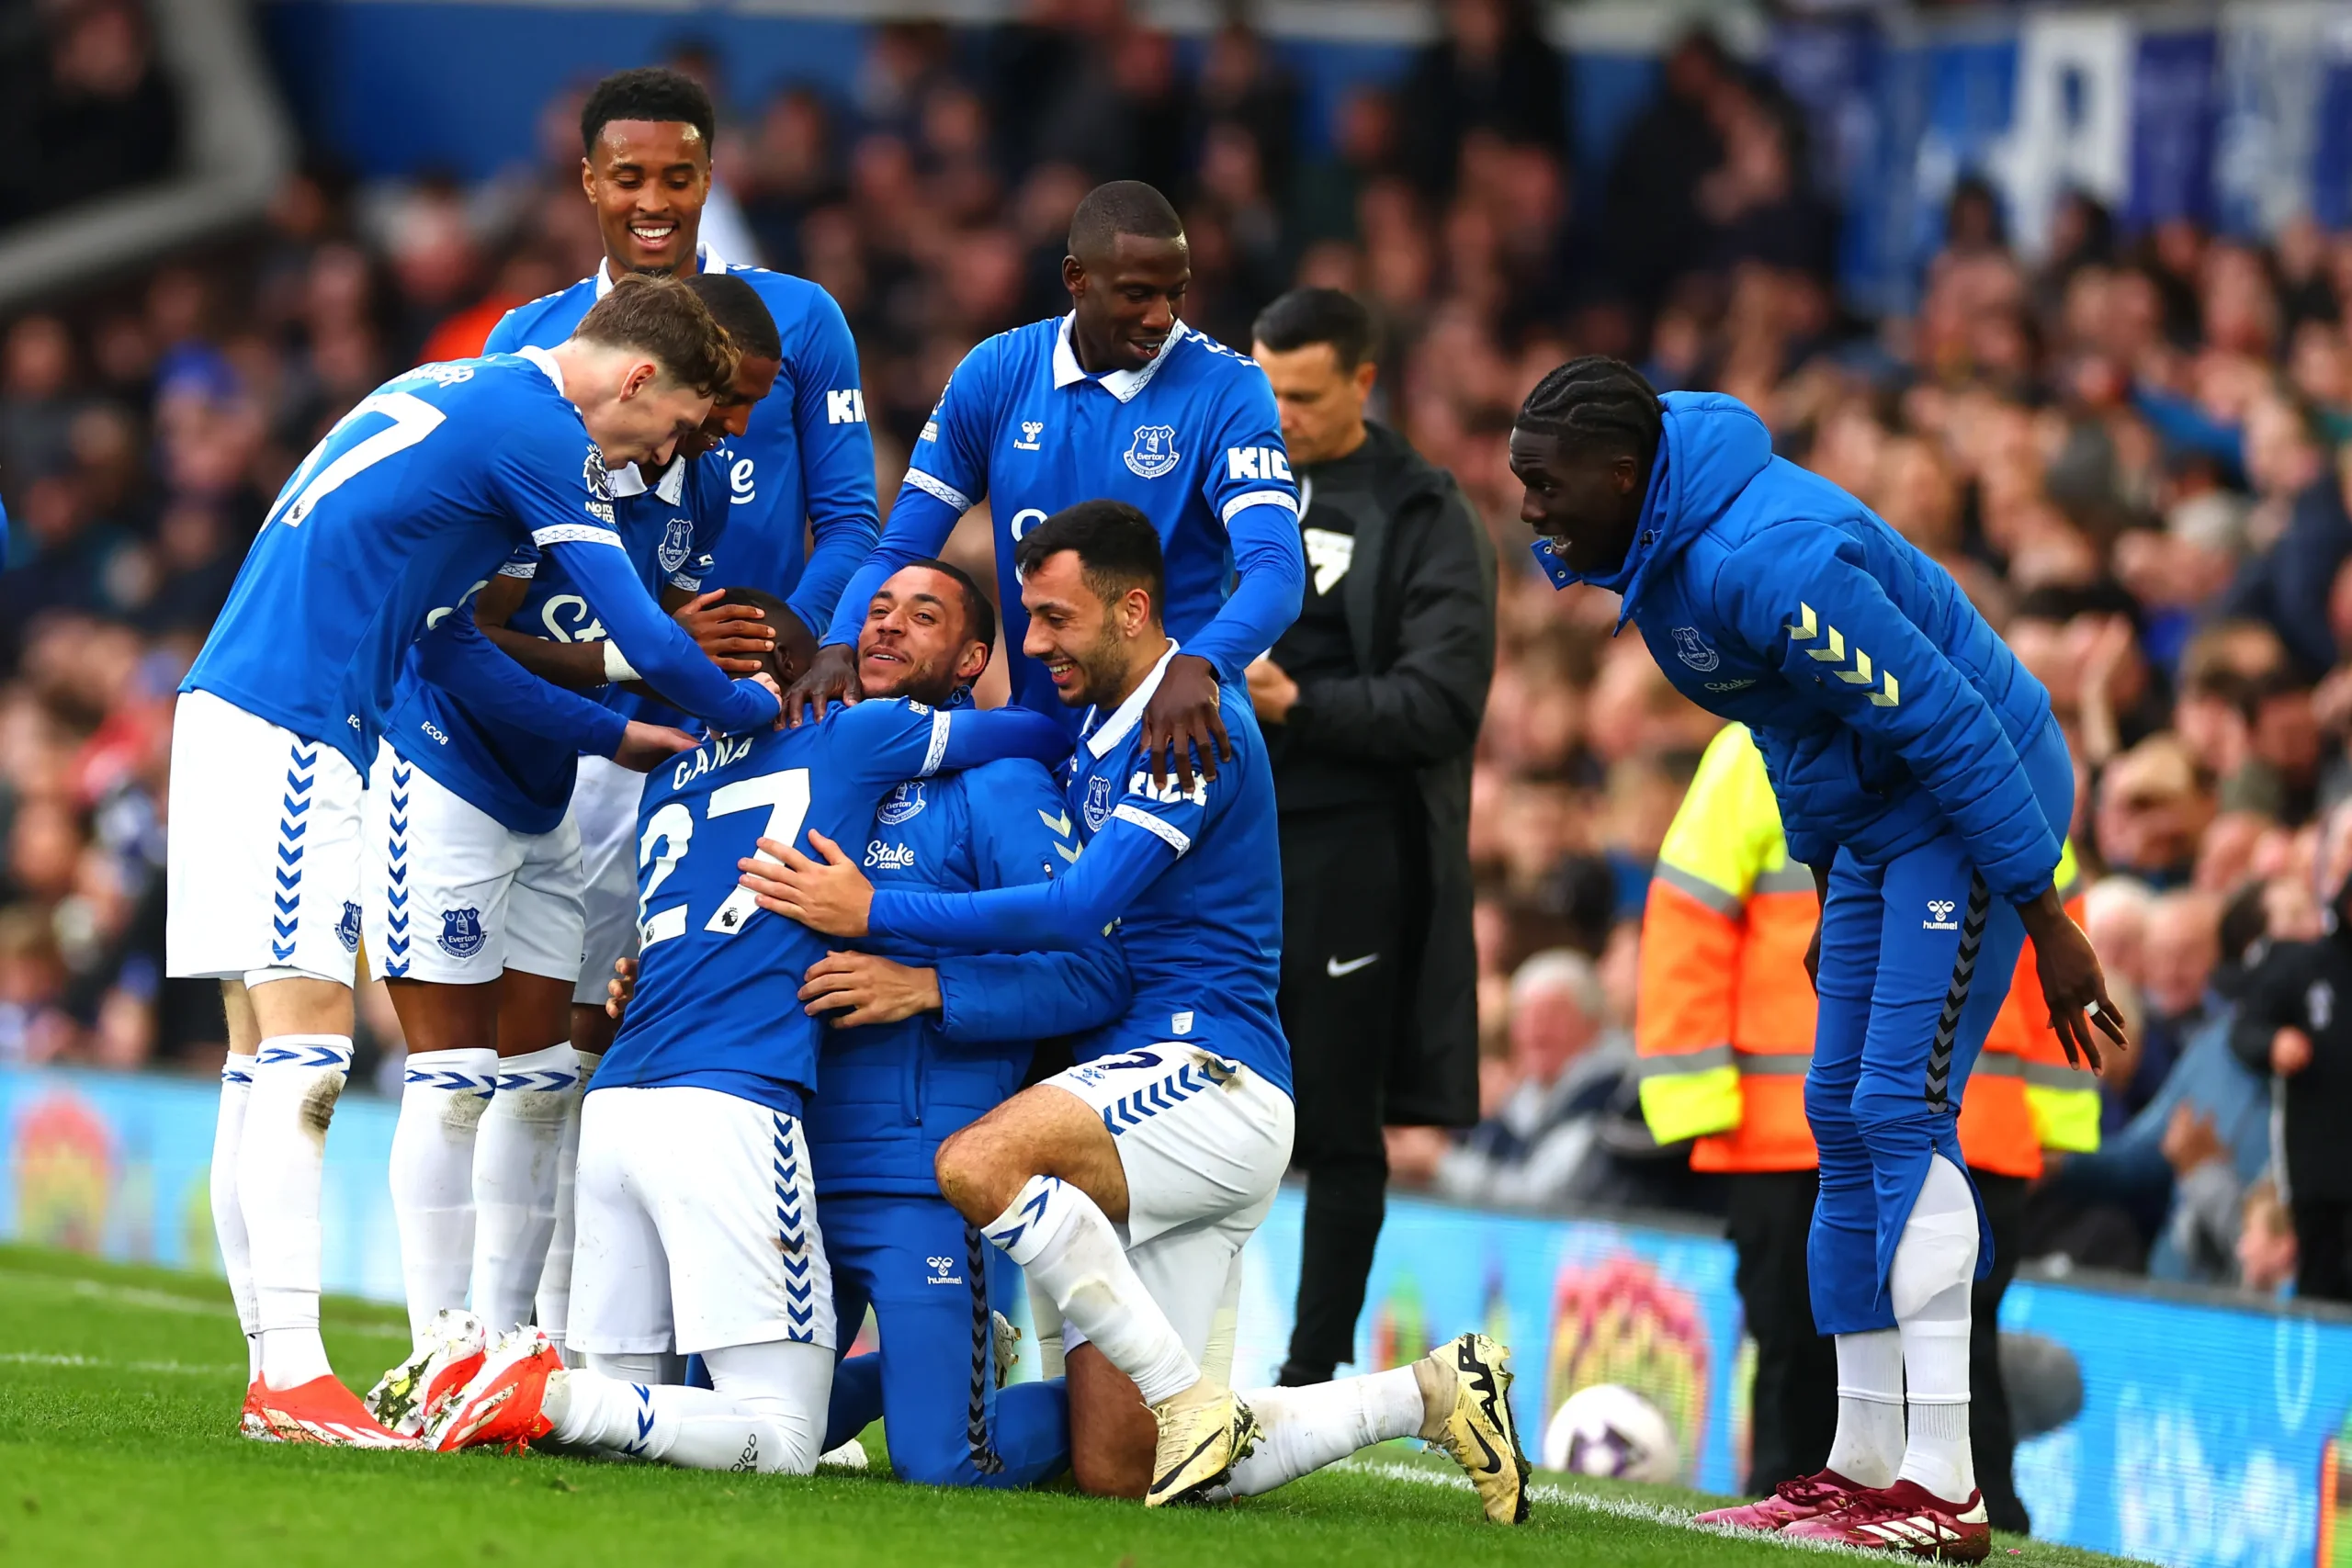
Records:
x=2130, y=451
x=85, y=107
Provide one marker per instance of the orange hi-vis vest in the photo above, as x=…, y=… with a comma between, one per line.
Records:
x=1726, y=1015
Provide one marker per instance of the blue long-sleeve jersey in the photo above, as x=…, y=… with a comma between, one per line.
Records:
x=508, y=742
x=1192, y=878
x=1192, y=440
x=804, y=465
x=1886, y=709
x=892, y=1093
x=405, y=509
x=718, y=997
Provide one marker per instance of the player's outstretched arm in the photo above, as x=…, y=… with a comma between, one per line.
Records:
x=457, y=657
x=836, y=460
x=657, y=650
x=1022, y=837
x=831, y=896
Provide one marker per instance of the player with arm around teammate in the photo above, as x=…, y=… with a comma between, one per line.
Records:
x=799, y=470
x=1116, y=399
x=1919, y=772
x=696, y=1218
x=473, y=905
x=1126, y=1187
x=924, y=1041
x=415, y=496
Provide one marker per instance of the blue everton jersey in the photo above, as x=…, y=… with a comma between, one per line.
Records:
x=717, y=1000
x=520, y=780
x=1193, y=877
x=806, y=462
x=1192, y=440
x=406, y=507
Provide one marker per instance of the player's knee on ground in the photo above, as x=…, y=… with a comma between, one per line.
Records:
x=1111, y=1433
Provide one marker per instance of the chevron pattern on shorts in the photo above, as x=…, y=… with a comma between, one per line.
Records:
x=396, y=958
x=1808, y=627
x=1164, y=1094
x=1964, y=971
x=293, y=825
x=792, y=1237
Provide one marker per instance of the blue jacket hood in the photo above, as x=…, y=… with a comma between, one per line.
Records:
x=1710, y=448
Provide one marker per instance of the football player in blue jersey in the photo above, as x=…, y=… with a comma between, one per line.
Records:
x=408, y=504
x=803, y=465
x=1921, y=775
x=1126, y=1186
x=1118, y=398
x=925, y=1042
x=473, y=921
x=697, y=1219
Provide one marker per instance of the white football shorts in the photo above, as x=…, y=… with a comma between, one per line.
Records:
x=1204, y=1142
x=603, y=809
x=263, y=858
x=695, y=1226
x=455, y=897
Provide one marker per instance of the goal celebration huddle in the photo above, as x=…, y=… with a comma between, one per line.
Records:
x=753, y=976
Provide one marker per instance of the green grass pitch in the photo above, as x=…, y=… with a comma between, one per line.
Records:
x=118, y=1388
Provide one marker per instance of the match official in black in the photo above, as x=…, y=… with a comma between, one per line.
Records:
x=1370, y=703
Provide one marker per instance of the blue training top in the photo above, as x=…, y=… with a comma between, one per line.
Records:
x=1887, y=710
x=894, y=1092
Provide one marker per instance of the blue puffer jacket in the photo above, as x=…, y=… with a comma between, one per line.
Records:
x=1886, y=709
x=887, y=1095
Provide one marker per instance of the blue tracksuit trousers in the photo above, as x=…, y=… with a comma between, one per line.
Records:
x=1915, y=960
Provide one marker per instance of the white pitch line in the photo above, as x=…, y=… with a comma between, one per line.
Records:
x=1617, y=1508
x=93, y=1363
x=167, y=1300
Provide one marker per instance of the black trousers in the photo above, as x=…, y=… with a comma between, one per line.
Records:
x=1350, y=938
x=2322, y=1227
x=1794, y=1408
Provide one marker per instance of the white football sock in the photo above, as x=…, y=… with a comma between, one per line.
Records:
x=1046, y=1323
x=555, y=1278
x=766, y=1414
x=1869, y=1445
x=228, y=1218
x=297, y=1079
x=515, y=1180
x=1935, y=1267
x=1303, y=1429
x=443, y=1094
x=1067, y=1247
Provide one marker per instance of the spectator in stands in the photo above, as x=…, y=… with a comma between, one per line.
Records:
x=2294, y=1023
x=2266, y=1249
x=1493, y=72
x=1573, y=1068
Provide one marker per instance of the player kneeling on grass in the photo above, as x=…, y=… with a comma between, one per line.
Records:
x=1126, y=1187
x=696, y=1202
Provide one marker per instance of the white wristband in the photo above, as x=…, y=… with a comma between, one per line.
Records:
x=617, y=668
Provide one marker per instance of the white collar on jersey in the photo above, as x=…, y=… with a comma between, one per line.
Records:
x=1130, y=713
x=671, y=487
x=1121, y=384
x=625, y=480
x=711, y=262
x=546, y=362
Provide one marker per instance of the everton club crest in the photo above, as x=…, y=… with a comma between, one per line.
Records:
x=1098, y=803
x=677, y=542
x=462, y=932
x=1153, y=451
x=1693, y=651
x=901, y=804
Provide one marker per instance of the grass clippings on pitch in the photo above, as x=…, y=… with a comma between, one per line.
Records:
x=119, y=1388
